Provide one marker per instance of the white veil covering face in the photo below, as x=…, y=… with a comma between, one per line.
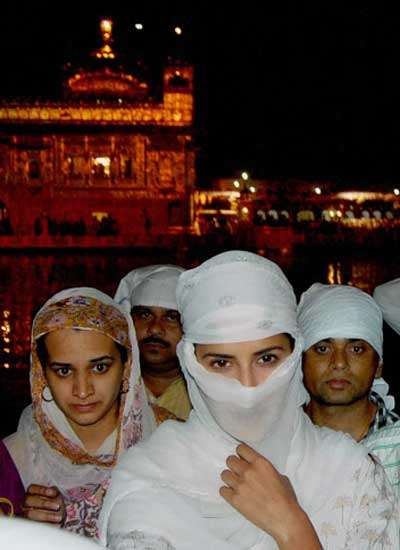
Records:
x=340, y=311
x=45, y=448
x=165, y=491
x=239, y=297
x=152, y=286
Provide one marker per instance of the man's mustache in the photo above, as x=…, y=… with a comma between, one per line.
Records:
x=155, y=340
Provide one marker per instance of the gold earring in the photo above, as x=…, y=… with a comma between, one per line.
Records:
x=125, y=386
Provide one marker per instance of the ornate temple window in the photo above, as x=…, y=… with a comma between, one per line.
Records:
x=101, y=167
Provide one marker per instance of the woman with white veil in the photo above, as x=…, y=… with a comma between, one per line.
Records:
x=248, y=470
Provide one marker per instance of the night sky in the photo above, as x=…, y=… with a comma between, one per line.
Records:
x=310, y=92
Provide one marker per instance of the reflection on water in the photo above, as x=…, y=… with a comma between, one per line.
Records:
x=27, y=281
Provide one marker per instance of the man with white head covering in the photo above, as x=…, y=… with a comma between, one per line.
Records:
x=148, y=293
x=342, y=363
x=248, y=469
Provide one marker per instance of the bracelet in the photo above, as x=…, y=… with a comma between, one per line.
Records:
x=4, y=500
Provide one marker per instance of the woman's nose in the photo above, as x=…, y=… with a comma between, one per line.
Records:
x=83, y=387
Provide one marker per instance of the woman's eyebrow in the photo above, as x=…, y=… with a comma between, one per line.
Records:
x=59, y=364
x=220, y=355
x=102, y=358
x=267, y=350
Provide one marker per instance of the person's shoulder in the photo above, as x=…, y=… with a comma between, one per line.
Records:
x=384, y=444
x=387, y=436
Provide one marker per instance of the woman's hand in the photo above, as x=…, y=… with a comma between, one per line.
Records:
x=266, y=498
x=44, y=504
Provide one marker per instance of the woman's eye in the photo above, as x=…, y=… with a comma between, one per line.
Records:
x=63, y=371
x=220, y=363
x=321, y=349
x=101, y=367
x=267, y=358
x=357, y=349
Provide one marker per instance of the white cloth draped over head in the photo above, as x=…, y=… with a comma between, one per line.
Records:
x=387, y=297
x=167, y=488
x=152, y=286
x=340, y=311
x=45, y=448
x=238, y=297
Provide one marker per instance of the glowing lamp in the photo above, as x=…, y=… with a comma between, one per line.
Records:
x=106, y=26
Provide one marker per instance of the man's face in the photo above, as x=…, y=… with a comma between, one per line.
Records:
x=340, y=371
x=158, y=331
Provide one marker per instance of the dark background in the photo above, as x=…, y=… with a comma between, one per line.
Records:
x=290, y=91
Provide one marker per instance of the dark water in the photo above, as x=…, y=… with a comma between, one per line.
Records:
x=27, y=281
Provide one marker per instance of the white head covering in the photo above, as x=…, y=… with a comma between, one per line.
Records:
x=387, y=297
x=339, y=311
x=45, y=448
x=152, y=286
x=238, y=297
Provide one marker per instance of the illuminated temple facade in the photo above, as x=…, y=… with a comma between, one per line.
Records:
x=107, y=152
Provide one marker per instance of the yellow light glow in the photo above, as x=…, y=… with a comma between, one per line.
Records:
x=6, y=365
x=317, y=190
x=102, y=166
x=106, y=26
x=245, y=210
x=339, y=214
x=236, y=184
x=99, y=215
x=331, y=213
x=245, y=176
x=178, y=30
x=138, y=26
x=252, y=189
x=396, y=192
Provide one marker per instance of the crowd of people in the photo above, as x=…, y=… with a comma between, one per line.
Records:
x=205, y=408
